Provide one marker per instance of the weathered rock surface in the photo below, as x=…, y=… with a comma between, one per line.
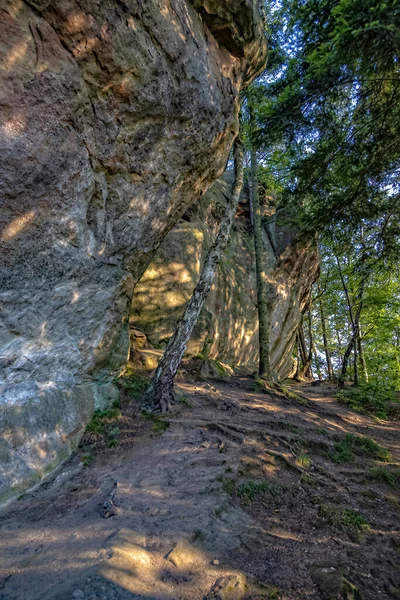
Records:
x=332, y=584
x=230, y=587
x=228, y=327
x=115, y=117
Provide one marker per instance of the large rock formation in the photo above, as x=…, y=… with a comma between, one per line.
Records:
x=228, y=326
x=115, y=117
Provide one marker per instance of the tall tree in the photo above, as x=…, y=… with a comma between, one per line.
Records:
x=161, y=390
x=324, y=335
x=263, y=301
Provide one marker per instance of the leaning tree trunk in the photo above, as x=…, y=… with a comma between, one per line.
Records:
x=263, y=304
x=306, y=357
x=345, y=361
x=161, y=391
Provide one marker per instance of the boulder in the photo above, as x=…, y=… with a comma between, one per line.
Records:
x=332, y=584
x=115, y=117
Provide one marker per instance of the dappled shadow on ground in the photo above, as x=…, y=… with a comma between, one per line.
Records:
x=239, y=482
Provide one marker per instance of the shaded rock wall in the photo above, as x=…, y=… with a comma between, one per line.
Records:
x=115, y=117
x=227, y=327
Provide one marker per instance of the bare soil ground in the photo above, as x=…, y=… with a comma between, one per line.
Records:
x=240, y=483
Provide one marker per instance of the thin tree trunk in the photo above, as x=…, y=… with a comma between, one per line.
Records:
x=362, y=357
x=302, y=344
x=354, y=333
x=297, y=346
x=250, y=191
x=339, y=350
x=161, y=391
x=345, y=361
x=264, y=306
x=317, y=361
x=313, y=349
x=306, y=356
x=325, y=337
x=352, y=344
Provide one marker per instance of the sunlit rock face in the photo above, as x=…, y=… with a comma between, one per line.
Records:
x=115, y=117
x=228, y=326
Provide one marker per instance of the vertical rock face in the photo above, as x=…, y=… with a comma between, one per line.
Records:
x=115, y=117
x=228, y=326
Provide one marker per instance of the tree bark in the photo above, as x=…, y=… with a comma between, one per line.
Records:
x=263, y=304
x=352, y=343
x=325, y=337
x=297, y=347
x=313, y=348
x=345, y=361
x=355, y=322
x=306, y=357
x=161, y=391
x=361, y=356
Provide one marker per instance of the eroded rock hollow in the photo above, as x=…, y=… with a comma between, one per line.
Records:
x=116, y=116
x=227, y=329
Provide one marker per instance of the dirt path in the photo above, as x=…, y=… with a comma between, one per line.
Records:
x=240, y=485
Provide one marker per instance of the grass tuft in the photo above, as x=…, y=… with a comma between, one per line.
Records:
x=347, y=520
x=135, y=385
x=101, y=418
x=385, y=475
x=369, y=399
x=87, y=459
x=303, y=461
x=349, y=446
x=250, y=490
x=160, y=425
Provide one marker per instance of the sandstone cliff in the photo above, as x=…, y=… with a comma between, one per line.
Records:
x=228, y=326
x=115, y=117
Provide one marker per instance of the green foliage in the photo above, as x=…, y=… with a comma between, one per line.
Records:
x=160, y=425
x=147, y=415
x=87, y=459
x=349, y=521
x=327, y=133
x=133, y=383
x=183, y=400
x=220, y=368
x=303, y=461
x=228, y=484
x=348, y=446
x=101, y=418
x=379, y=318
x=252, y=490
x=112, y=434
x=334, y=101
x=257, y=385
x=388, y=476
x=368, y=399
